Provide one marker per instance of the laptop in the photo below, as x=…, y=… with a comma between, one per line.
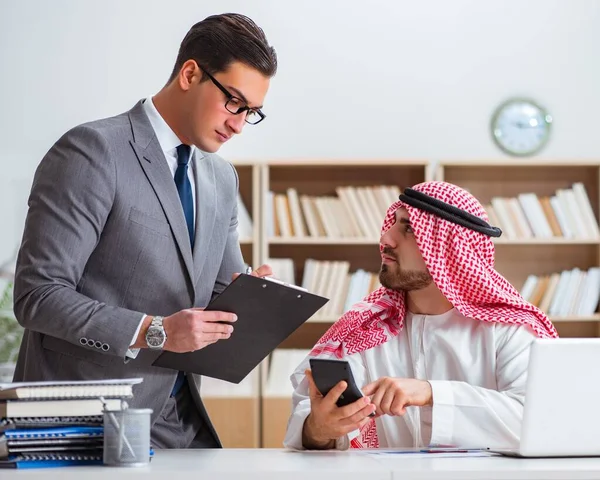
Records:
x=561, y=416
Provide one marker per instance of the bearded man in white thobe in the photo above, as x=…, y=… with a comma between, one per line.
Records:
x=440, y=351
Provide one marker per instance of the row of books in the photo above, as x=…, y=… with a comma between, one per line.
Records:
x=330, y=279
x=573, y=292
x=356, y=212
x=567, y=214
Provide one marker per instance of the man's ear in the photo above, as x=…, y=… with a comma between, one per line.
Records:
x=189, y=74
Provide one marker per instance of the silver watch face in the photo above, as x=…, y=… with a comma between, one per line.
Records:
x=155, y=337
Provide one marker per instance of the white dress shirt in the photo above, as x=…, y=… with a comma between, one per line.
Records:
x=168, y=143
x=477, y=372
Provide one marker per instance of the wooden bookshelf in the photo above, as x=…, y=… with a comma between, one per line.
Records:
x=516, y=258
x=321, y=178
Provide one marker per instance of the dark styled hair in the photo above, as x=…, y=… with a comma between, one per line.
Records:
x=219, y=40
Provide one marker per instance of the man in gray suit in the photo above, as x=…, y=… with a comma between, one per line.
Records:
x=132, y=229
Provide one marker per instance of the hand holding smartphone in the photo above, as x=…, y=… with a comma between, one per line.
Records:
x=327, y=373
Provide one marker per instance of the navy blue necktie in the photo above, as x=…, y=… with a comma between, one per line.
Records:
x=184, y=188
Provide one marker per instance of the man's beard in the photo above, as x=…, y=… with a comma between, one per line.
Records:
x=403, y=280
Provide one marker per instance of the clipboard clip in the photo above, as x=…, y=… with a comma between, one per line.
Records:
x=274, y=280
x=285, y=284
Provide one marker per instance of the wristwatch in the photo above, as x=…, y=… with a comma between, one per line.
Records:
x=156, y=337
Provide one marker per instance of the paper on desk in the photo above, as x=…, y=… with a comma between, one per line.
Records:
x=69, y=383
x=433, y=453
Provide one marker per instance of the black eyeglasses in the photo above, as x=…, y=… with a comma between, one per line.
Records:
x=236, y=105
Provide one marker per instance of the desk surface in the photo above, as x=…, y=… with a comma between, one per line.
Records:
x=494, y=467
x=233, y=464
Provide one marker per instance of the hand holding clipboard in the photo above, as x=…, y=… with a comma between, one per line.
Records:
x=192, y=329
x=268, y=311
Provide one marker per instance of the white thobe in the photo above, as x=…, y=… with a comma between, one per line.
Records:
x=477, y=372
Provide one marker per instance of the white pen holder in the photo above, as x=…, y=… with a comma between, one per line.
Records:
x=127, y=437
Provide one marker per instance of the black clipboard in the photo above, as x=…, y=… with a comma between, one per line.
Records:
x=268, y=312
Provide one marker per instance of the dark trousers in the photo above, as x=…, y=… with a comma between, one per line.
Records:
x=181, y=425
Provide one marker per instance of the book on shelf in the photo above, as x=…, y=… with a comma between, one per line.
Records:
x=566, y=214
x=331, y=279
x=353, y=212
x=282, y=363
x=574, y=292
x=283, y=269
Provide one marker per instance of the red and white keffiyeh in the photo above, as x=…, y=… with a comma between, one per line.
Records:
x=461, y=262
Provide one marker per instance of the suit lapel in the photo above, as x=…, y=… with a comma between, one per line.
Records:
x=153, y=162
x=206, y=208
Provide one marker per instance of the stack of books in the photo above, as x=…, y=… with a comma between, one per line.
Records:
x=55, y=424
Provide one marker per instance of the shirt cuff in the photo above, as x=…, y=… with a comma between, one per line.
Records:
x=133, y=352
x=293, y=435
x=343, y=443
x=442, y=420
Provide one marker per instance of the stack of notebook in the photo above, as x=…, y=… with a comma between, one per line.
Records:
x=51, y=424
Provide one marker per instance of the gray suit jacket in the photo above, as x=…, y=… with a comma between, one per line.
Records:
x=105, y=241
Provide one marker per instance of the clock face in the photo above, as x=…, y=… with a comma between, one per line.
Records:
x=520, y=127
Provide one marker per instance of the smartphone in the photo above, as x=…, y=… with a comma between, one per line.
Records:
x=327, y=373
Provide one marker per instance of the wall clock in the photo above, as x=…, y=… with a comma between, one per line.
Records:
x=521, y=127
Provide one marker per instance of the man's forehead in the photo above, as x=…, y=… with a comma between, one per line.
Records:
x=246, y=83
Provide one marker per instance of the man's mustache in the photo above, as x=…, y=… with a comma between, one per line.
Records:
x=389, y=252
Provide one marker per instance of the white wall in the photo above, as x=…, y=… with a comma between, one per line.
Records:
x=356, y=78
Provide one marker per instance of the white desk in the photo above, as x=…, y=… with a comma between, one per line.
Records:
x=489, y=468
x=266, y=464
x=230, y=464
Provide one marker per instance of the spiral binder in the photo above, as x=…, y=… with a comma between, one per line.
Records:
x=22, y=423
